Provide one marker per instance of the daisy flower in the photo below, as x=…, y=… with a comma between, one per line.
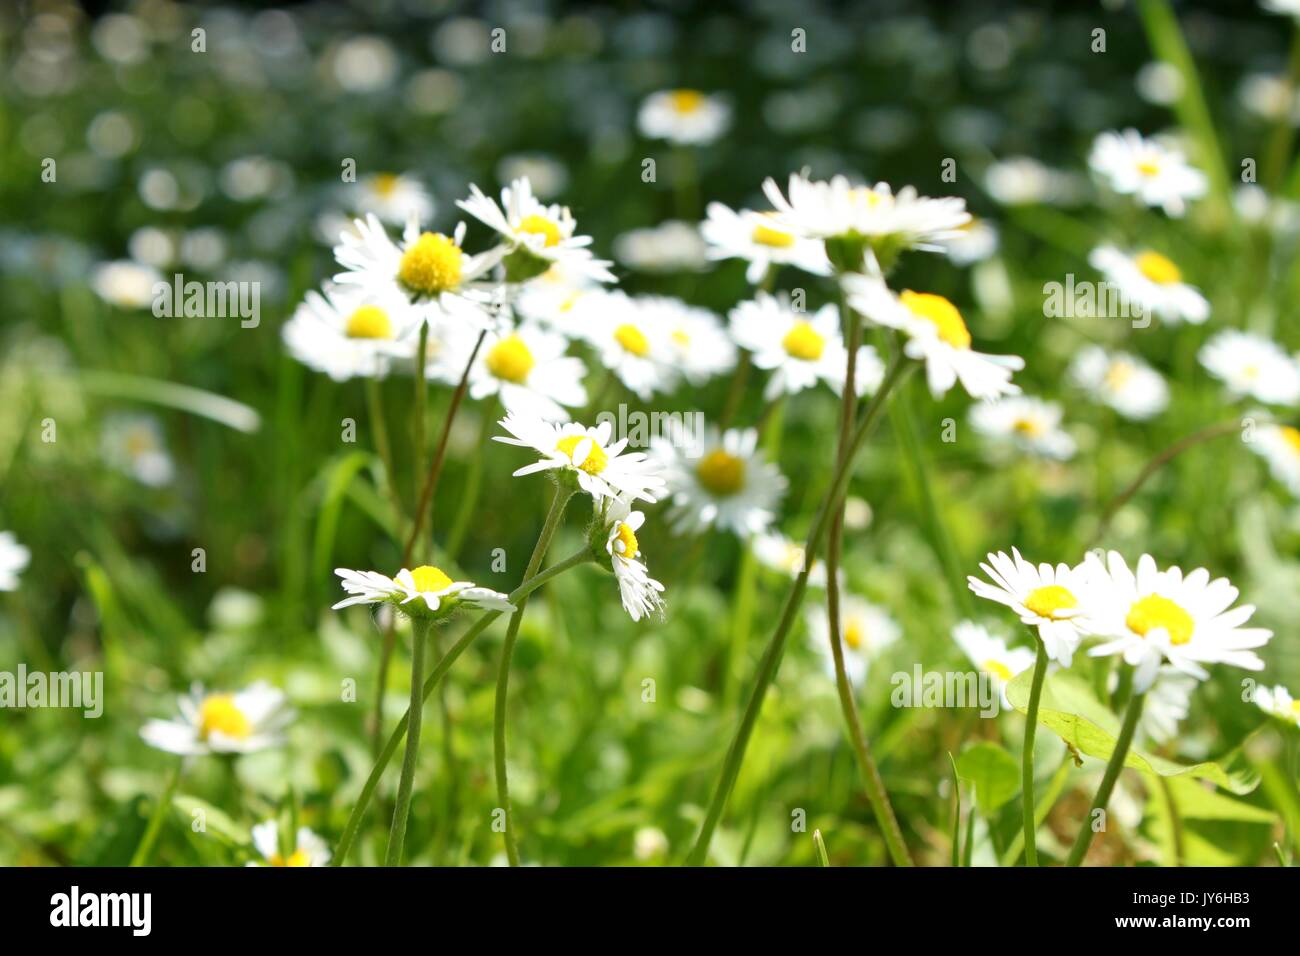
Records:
x=1278, y=702
x=1279, y=445
x=543, y=232
x=424, y=267
x=238, y=723
x=1152, y=281
x=125, y=283
x=874, y=215
x=425, y=591
x=683, y=116
x=1155, y=616
x=670, y=246
x=725, y=483
x=1168, y=702
x=1120, y=380
x=13, y=560
x=601, y=468
x=552, y=298
x=800, y=350
x=393, y=197
x=865, y=629
x=785, y=556
x=353, y=332
x=937, y=335
x=639, y=592
x=526, y=367
x=133, y=443
x=762, y=241
x=1029, y=424
x=697, y=344
x=1053, y=599
x=628, y=340
x=308, y=848
x=991, y=655
x=1157, y=175
x=1251, y=365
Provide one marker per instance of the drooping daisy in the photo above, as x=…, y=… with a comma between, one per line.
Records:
x=601, y=468
x=974, y=242
x=13, y=560
x=684, y=116
x=992, y=655
x=798, y=349
x=1121, y=380
x=220, y=722
x=527, y=367
x=1151, y=281
x=697, y=345
x=426, y=266
x=540, y=231
x=722, y=482
x=1279, y=445
x=308, y=848
x=1168, y=702
x=393, y=197
x=1156, y=174
x=1029, y=424
x=1155, y=616
x=865, y=629
x=937, y=335
x=425, y=591
x=888, y=222
x=762, y=241
x=1056, y=600
x=1251, y=365
x=639, y=592
x=134, y=444
x=353, y=332
x=1278, y=702
x=629, y=342
x=776, y=551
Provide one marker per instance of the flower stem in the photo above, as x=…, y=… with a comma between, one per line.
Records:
x=771, y=659
x=375, y=402
x=1113, y=767
x=473, y=482
x=1027, y=759
x=563, y=493
x=415, y=717
x=145, y=849
x=430, y=684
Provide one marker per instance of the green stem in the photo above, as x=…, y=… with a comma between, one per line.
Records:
x=415, y=717
x=1054, y=788
x=473, y=482
x=1027, y=759
x=439, y=671
x=1131, y=717
x=375, y=403
x=145, y=849
x=563, y=492
x=771, y=659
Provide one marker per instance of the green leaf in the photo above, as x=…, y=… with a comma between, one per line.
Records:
x=1196, y=802
x=1070, y=711
x=994, y=773
x=215, y=821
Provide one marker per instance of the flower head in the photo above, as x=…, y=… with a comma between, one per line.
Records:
x=353, y=332
x=1279, y=445
x=684, y=116
x=1053, y=599
x=1153, y=173
x=308, y=849
x=1278, y=702
x=1028, y=424
x=722, y=481
x=1251, y=365
x=1150, y=279
x=639, y=592
x=761, y=240
x=393, y=197
x=13, y=559
x=992, y=655
x=865, y=631
x=425, y=591
x=221, y=722
x=1120, y=380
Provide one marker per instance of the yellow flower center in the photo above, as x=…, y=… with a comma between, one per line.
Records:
x=767, y=236
x=1119, y=373
x=510, y=360
x=220, y=714
x=1029, y=427
x=633, y=340
x=429, y=578
x=626, y=538
x=681, y=337
x=864, y=194
x=139, y=441
x=297, y=858
x=721, y=473
x=385, y=183
x=431, y=264
x=1155, y=611
x=940, y=313
x=541, y=226
x=1158, y=268
x=596, y=458
x=1291, y=436
x=1148, y=167
x=804, y=342
x=855, y=634
x=369, y=322
x=686, y=101
x=997, y=669
x=1050, y=599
